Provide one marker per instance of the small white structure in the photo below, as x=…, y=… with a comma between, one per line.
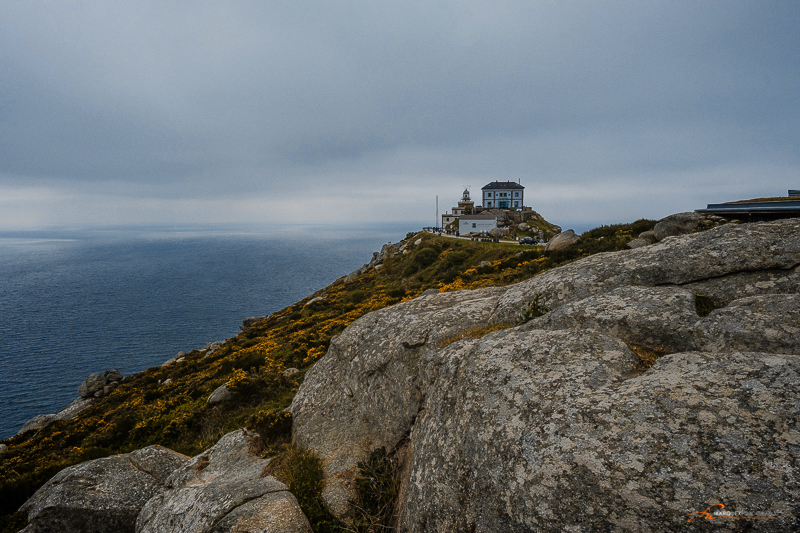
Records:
x=503, y=195
x=447, y=219
x=465, y=207
x=476, y=223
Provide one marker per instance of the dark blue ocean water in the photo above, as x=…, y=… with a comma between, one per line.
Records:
x=74, y=302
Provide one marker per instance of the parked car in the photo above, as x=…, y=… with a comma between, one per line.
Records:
x=527, y=240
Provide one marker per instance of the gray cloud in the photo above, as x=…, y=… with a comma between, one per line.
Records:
x=179, y=104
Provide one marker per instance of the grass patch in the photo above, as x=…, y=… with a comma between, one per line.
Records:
x=771, y=199
x=647, y=355
x=301, y=470
x=535, y=309
x=377, y=487
x=274, y=427
x=472, y=333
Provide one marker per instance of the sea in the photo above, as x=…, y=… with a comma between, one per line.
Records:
x=76, y=301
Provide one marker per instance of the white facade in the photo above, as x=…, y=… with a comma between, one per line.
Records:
x=465, y=206
x=476, y=223
x=503, y=195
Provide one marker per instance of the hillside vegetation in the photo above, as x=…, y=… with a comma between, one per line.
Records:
x=148, y=409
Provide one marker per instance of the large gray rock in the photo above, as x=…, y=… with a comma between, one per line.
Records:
x=658, y=318
x=37, y=422
x=222, y=490
x=664, y=319
x=677, y=224
x=762, y=256
x=723, y=290
x=556, y=424
x=365, y=392
x=211, y=347
x=90, y=385
x=68, y=413
x=220, y=394
x=248, y=322
x=555, y=431
x=103, y=495
x=275, y=512
x=644, y=239
x=649, y=236
x=562, y=241
x=98, y=385
x=766, y=323
x=638, y=243
x=387, y=250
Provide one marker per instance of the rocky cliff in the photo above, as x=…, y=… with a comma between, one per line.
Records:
x=561, y=423
x=622, y=392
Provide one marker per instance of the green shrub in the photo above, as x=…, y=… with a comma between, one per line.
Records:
x=396, y=292
x=357, y=296
x=271, y=425
x=301, y=470
x=377, y=486
x=536, y=309
x=453, y=260
x=13, y=522
x=420, y=259
x=151, y=395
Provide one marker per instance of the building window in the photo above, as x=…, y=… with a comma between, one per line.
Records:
x=473, y=224
x=516, y=194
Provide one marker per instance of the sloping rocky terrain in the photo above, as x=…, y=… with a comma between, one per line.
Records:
x=155, y=490
x=638, y=387
x=560, y=423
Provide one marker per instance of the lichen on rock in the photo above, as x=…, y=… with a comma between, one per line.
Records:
x=223, y=490
x=103, y=495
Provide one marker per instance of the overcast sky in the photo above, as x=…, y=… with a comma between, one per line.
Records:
x=258, y=112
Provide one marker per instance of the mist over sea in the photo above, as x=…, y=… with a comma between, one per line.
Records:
x=74, y=302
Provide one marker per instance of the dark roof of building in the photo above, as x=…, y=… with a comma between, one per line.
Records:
x=754, y=211
x=503, y=185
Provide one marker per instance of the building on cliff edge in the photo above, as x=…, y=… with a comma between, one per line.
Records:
x=465, y=207
x=503, y=195
x=482, y=223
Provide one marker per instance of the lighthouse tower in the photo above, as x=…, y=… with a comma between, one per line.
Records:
x=465, y=205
